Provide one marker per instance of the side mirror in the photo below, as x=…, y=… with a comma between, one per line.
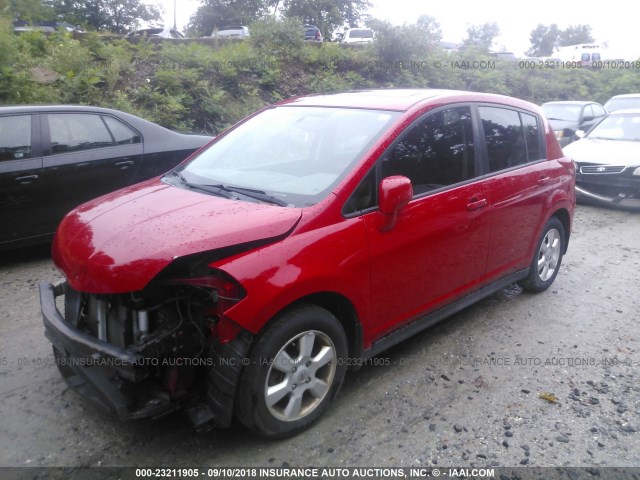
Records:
x=587, y=118
x=580, y=133
x=393, y=194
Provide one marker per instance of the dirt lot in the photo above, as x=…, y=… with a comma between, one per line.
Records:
x=464, y=393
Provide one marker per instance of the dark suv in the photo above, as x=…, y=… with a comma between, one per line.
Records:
x=566, y=118
x=312, y=33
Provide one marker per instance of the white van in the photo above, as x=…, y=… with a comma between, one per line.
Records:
x=586, y=53
x=357, y=36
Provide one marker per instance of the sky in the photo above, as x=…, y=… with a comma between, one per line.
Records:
x=613, y=22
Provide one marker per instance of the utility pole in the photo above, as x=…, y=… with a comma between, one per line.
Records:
x=175, y=23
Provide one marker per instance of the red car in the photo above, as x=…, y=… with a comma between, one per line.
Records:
x=306, y=239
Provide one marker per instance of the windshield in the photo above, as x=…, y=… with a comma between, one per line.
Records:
x=360, y=33
x=622, y=103
x=570, y=113
x=617, y=127
x=294, y=154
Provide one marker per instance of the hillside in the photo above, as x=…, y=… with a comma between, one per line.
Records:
x=205, y=86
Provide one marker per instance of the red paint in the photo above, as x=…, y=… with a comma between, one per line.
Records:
x=438, y=248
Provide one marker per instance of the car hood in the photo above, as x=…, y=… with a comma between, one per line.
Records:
x=120, y=242
x=604, y=152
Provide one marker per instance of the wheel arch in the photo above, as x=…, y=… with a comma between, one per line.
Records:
x=341, y=308
x=564, y=217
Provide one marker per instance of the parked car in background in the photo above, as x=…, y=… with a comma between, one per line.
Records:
x=623, y=102
x=53, y=158
x=566, y=118
x=46, y=27
x=312, y=33
x=506, y=56
x=237, y=31
x=357, y=36
x=587, y=54
x=608, y=161
x=303, y=240
x=156, y=32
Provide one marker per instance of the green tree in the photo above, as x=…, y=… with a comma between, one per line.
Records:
x=118, y=16
x=430, y=29
x=29, y=10
x=326, y=14
x=481, y=36
x=575, y=35
x=218, y=13
x=279, y=37
x=543, y=39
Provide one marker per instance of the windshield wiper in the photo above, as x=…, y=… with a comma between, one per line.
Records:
x=214, y=189
x=232, y=192
x=250, y=192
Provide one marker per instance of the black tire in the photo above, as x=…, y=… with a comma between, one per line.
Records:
x=298, y=361
x=547, y=258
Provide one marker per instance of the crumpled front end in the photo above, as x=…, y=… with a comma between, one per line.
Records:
x=613, y=185
x=144, y=354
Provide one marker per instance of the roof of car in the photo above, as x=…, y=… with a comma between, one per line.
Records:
x=571, y=102
x=399, y=99
x=626, y=111
x=627, y=95
x=53, y=108
x=138, y=122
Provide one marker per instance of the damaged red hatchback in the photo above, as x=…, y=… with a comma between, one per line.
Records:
x=306, y=239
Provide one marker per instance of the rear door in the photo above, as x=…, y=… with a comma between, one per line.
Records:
x=436, y=252
x=87, y=155
x=22, y=209
x=519, y=183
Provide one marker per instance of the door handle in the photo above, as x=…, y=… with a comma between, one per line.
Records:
x=27, y=179
x=476, y=204
x=124, y=164
x=543, y=180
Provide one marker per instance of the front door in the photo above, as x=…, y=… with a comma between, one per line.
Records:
x=437, y=250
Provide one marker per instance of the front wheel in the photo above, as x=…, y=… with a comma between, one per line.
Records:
x=547, y=258
x=296, y=369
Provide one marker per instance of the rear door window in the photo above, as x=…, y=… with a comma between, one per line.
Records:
x=512, y=137
x=72, y=132
x=504, y=136
x=15, y=137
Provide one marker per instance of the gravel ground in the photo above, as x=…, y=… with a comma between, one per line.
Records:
x=464, y=393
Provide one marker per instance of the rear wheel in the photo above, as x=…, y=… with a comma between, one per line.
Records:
x=547, y=258
x=296, y=369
